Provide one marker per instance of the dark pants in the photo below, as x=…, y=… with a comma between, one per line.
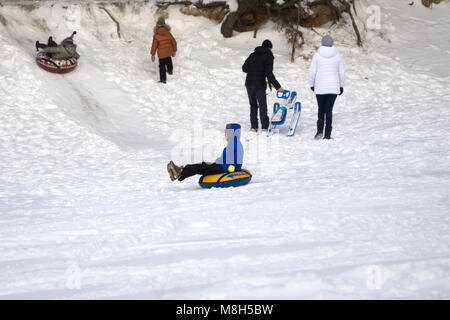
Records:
x=257, y=98
x=325, y=114
x=50, y=43
x=200, y=168
x=165, y=65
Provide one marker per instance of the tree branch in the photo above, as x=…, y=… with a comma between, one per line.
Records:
x=197, y=4
x=348, y=10
x=113, y=19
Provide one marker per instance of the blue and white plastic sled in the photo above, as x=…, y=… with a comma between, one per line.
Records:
x=281, y=110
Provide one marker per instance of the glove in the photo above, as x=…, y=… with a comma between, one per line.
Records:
x=174, y=54
x=312, y=89
x=342, y=91
x=153, y=58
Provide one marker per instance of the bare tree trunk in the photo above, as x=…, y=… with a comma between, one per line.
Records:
x=243, y=6
x=262, y=23
x=197, y=4
x=113, y=19
x=295, y=36
x=355, y=27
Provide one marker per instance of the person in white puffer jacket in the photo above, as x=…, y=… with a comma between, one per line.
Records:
x=327, y=80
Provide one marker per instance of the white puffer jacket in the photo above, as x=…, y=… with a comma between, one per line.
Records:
x=327, y=72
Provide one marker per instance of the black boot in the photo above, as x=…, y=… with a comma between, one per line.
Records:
x=51, y=42
x=319, y=133
x=328, y=132
x=37, y=45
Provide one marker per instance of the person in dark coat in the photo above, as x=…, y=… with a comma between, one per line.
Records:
x=259, y=67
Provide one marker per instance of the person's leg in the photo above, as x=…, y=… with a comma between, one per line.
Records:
x=169, y=66
x=329, y=104
x=320, y=114
x=40, y=45
x=43, y=46
x=200, y=168
x=51, y=43
x=162, y=70
x=253, y=107
x=262, y=102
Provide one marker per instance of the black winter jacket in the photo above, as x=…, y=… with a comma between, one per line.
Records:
x=259, y=66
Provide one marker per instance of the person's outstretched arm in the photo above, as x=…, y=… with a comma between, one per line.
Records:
x=174, y=43
x=312, y=72
x=154, y=46
x=57, y=49
x=75, y=53
x=269, y=73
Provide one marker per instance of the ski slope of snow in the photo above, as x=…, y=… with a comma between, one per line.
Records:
x=87, y=210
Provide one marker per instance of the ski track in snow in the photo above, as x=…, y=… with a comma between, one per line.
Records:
x=87, y=209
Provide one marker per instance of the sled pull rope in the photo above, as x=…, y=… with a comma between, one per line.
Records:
x=52, y=62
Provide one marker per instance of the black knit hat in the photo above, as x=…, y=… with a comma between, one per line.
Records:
x=267, y=43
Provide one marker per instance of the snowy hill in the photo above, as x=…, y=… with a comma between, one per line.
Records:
x=87, y=209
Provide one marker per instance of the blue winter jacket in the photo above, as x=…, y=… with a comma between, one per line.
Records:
x=233, y=154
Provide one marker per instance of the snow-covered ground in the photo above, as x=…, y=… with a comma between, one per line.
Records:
x=87, y=209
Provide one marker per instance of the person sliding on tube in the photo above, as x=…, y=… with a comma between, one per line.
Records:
x=66, y=50
x=229, y=161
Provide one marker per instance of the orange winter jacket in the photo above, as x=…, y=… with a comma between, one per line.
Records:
x=164, y=42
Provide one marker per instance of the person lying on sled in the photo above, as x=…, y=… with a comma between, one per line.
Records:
x=66, y=50
x=229, y=161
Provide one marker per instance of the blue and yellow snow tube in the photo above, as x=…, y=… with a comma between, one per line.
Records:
x=226, y=180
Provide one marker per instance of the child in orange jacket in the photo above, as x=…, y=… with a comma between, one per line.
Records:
x=166, y=45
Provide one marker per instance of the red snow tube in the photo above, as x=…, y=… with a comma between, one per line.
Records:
x=56, y=66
